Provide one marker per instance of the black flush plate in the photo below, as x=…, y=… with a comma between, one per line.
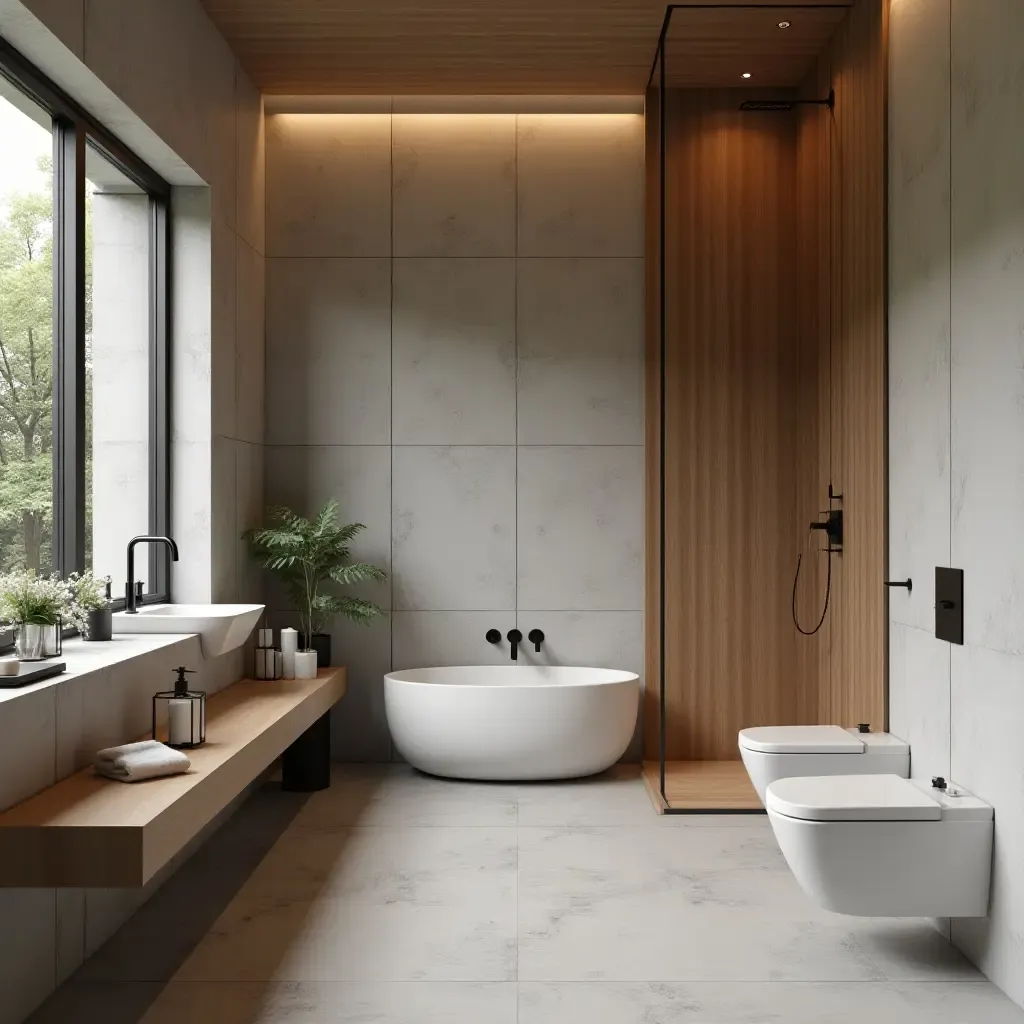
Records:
x=949, y=605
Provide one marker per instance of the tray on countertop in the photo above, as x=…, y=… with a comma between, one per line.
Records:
x=32, y=672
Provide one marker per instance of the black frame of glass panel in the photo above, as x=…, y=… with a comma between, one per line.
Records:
x=75, y=129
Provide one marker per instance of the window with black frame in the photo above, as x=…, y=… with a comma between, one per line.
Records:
x=83, y=340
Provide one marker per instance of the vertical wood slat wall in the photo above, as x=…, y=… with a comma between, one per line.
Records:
x=731, y=403
x=775, y=385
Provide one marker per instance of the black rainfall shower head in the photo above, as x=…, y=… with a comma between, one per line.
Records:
x=766, y=105
x=776, y=105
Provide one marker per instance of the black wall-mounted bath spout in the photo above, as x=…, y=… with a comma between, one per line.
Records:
x=909, y=584
x=536, y=637
x=515, y=638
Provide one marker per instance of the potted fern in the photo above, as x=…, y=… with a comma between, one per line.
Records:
x=313, y=559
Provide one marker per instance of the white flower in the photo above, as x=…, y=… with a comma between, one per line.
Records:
x=34, y=600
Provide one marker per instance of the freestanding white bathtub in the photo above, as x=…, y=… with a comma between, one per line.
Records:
x=511, y=722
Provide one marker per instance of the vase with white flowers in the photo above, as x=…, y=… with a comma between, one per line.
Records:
x=34, y=605
x=90, y=612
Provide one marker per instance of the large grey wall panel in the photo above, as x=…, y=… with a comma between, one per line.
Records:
x=454, y=352
x=919, y=311
x=453, y=528
x=988, y=317
x=957, y=266
x=580, y=351
x=329, y=351
x=454, y=322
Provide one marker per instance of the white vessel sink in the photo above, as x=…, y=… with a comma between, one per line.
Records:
x=221, y=627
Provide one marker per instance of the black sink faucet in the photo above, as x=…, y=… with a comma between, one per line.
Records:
x=131, y=596
x=515, y=638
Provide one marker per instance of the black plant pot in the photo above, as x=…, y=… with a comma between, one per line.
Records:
x=100, y=625
x=322, y=646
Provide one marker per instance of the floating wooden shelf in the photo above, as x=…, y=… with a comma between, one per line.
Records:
x=88, y=831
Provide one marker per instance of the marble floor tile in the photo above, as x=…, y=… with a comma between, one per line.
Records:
x=761, y=1003
x=395, y=898
x=753, y=820
x=281, y=1003
x=682, y=904
x=335, y=1003
x=366, y=904
x=109, y=1002
x=399, y=795
x=617, y=797
x=911, y=950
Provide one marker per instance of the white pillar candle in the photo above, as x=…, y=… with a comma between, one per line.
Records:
x=289, y=645
x=278, y=664
x=266, y=638
x=305, y=665
x=179, y=722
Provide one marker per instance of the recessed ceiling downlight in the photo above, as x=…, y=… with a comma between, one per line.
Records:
x=746, y=74
x=785, y=24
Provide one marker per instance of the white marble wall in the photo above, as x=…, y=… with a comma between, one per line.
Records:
x=455, y=351
x=957, y=419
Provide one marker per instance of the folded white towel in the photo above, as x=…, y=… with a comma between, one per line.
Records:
x=146, y=759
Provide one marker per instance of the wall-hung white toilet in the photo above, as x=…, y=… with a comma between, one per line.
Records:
x=784, y=751
x=882, y=846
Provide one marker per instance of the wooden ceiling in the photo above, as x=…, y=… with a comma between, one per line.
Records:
x=712, y=48
x=526, y=47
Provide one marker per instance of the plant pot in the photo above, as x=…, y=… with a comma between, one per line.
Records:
x=28, y=642
x=322, y=645
x=305, y=664
x=53, y=644
x=99, y=624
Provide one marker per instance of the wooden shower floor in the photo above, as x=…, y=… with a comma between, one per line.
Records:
x=702, y=786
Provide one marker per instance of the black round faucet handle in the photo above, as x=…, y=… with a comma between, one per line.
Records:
x=514, y=636
x=536, y=636
x=493, y=636
x=938, y=782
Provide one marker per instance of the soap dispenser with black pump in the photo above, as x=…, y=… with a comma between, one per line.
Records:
x=180, y=714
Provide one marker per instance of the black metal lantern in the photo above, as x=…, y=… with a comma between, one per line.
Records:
x=184, y=724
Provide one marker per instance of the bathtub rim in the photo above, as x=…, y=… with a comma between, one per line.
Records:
x=622, y=676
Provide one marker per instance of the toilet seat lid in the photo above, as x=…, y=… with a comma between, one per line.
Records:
x=801, y=739
x=852, y=798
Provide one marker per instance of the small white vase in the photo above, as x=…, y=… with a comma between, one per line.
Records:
x=305, y=664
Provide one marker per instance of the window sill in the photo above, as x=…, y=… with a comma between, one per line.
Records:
x=84, y=658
